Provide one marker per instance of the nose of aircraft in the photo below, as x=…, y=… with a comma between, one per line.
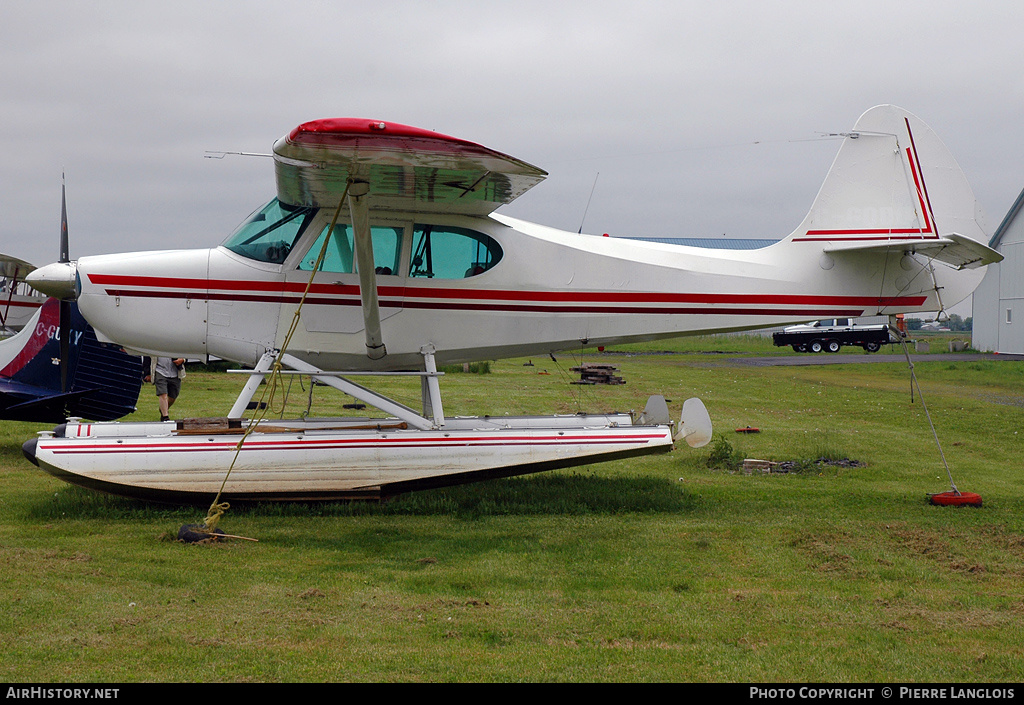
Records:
x=59, y=280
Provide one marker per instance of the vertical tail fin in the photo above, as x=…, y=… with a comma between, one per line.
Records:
x=893, y=179
x=897, y=211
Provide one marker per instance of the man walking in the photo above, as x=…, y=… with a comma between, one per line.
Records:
x=166, y=373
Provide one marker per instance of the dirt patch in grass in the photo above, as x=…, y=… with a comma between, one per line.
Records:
x=824, y=552
x=922, y=542
x=936, y=547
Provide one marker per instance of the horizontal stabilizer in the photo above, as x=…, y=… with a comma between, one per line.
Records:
x=955, y=250
x=45, y=409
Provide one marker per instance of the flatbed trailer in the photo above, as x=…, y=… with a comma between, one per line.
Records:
x=832, y=335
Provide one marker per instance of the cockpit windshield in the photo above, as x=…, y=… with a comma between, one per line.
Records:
x=270, y=233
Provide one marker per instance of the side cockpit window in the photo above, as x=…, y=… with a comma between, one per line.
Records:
x=340, y=258
x=447, y=252
x=270, y=233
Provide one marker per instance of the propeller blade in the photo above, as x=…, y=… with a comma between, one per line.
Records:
x=65, y=306
x=58, y=278
x=64, y=253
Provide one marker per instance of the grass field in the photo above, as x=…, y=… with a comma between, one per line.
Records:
x=656, y=569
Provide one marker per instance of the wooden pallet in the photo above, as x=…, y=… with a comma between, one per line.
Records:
x=598, y=374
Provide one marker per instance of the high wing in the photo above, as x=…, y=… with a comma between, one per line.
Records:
x=18, y=301
x=407, y=168
x=388, y=166
x=955, y=250
x=14, y=268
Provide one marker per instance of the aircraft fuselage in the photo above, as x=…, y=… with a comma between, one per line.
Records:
x=417, y=259
x=497, y=288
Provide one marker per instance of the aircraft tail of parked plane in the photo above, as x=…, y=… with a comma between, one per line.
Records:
x=103, y=381
x=895, y=189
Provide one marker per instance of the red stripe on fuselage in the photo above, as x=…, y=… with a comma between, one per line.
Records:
x=451, y=298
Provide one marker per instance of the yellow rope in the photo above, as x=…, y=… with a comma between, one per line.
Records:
x=218, y=508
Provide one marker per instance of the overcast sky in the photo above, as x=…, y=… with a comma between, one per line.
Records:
x=695, y=119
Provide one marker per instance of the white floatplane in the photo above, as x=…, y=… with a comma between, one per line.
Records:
x=381, y=254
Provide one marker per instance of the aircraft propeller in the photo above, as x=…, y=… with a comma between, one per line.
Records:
x=58, y=280
x=64, y=328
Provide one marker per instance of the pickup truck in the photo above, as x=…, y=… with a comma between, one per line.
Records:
x=831, y=335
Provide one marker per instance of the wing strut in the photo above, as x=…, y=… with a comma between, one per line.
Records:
x=10, y=298
x=358, y=203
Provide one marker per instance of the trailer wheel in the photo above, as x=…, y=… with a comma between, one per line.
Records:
x=816, y=346
x=872, y=347
x=833, y=346
x=799, y=348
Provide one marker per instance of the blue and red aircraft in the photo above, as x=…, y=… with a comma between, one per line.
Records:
x=43, y=381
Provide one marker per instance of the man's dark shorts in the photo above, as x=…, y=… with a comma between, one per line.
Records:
x=171, y=386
